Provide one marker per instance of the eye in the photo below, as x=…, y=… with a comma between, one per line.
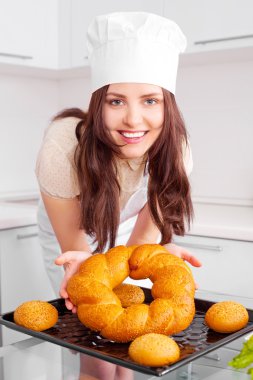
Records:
x=116, y=102
x=151, y=101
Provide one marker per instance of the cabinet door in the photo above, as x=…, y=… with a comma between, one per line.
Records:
x=226, y=264
x=29, y=32
x=83, y=12
x=23, y=276
x=213, y=24
x=16, y=25
x=33, y=360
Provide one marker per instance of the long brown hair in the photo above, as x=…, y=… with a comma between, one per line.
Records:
x=169, y=198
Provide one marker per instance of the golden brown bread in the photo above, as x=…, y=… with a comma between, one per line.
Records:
x=154, y=350
x=129, y=294
x=226, y=317
x=36, y=315
x=99, y=308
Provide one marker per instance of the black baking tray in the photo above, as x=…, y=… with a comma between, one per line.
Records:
x=195, y=341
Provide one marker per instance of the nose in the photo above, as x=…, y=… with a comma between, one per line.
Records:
x=133, y=116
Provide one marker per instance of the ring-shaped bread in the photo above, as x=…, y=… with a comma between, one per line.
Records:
x=99, y=309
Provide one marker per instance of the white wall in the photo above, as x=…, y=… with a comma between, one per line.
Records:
x=74, y=93
x=216, y=101
x=26, y=105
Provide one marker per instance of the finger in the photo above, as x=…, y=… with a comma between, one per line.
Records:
x=68, y=274
x=63, y=292
x=72, y=256
x=60, y=260
x=74, y=310
x=196, y=262
x=65, y=258
x=191, y=259
x=63, y=289
x=69, y=304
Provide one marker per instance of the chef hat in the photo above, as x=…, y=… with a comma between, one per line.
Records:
x=134, y=47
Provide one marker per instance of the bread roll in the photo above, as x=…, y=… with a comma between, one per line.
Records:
x=36, y=315
x=226, y=317
x=154, y=350
x=129, y=294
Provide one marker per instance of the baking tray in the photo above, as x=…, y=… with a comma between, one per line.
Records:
x=195, y=341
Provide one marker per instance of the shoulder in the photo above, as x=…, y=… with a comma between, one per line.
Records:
x=62, y=132
x=55, y=167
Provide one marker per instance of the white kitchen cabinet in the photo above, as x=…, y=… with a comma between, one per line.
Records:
x=213, y=24
x=226, y=264
x=51, y=34
x=22, y=274
x=29, y=32
x=82, y=12
x=32, y=360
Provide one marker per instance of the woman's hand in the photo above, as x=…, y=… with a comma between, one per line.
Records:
x=183, y=254
x=71, y=260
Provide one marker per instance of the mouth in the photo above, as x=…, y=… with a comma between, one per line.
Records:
x=130, y=136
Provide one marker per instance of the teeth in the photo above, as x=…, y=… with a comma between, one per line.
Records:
x=133, y=134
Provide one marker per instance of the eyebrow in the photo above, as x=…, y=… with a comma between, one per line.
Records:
x=142, y=96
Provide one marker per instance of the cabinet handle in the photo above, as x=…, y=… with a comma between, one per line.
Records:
x=27, y=236
x=9, y=55
x=216, y=248
x=203, y=42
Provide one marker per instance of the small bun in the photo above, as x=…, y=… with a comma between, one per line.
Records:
x=226, y=317
x=36, y=315
x=129, y=294
x=154, y=350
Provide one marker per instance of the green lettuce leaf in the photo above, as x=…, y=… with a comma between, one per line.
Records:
x=245, y=357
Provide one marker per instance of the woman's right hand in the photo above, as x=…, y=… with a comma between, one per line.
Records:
x=71, y=260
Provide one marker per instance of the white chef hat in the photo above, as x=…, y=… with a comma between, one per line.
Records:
x=134, y=47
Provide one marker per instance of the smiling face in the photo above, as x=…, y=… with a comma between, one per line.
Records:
x=134, y=115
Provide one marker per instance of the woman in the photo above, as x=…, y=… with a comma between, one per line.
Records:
x=118, y=174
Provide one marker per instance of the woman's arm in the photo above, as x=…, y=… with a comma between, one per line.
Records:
x=146, y=232
x=64, y=215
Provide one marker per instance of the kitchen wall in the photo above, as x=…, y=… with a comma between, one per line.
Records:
x=26, y=105
x=74, y=92
x=215, y=99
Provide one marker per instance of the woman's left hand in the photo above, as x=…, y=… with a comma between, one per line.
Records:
x=183, y=254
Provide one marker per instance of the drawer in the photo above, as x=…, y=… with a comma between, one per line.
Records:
x=227, y=265
x=22, y=274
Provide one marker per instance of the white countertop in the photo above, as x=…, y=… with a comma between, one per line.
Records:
x=221, y=221
x=14, y=215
